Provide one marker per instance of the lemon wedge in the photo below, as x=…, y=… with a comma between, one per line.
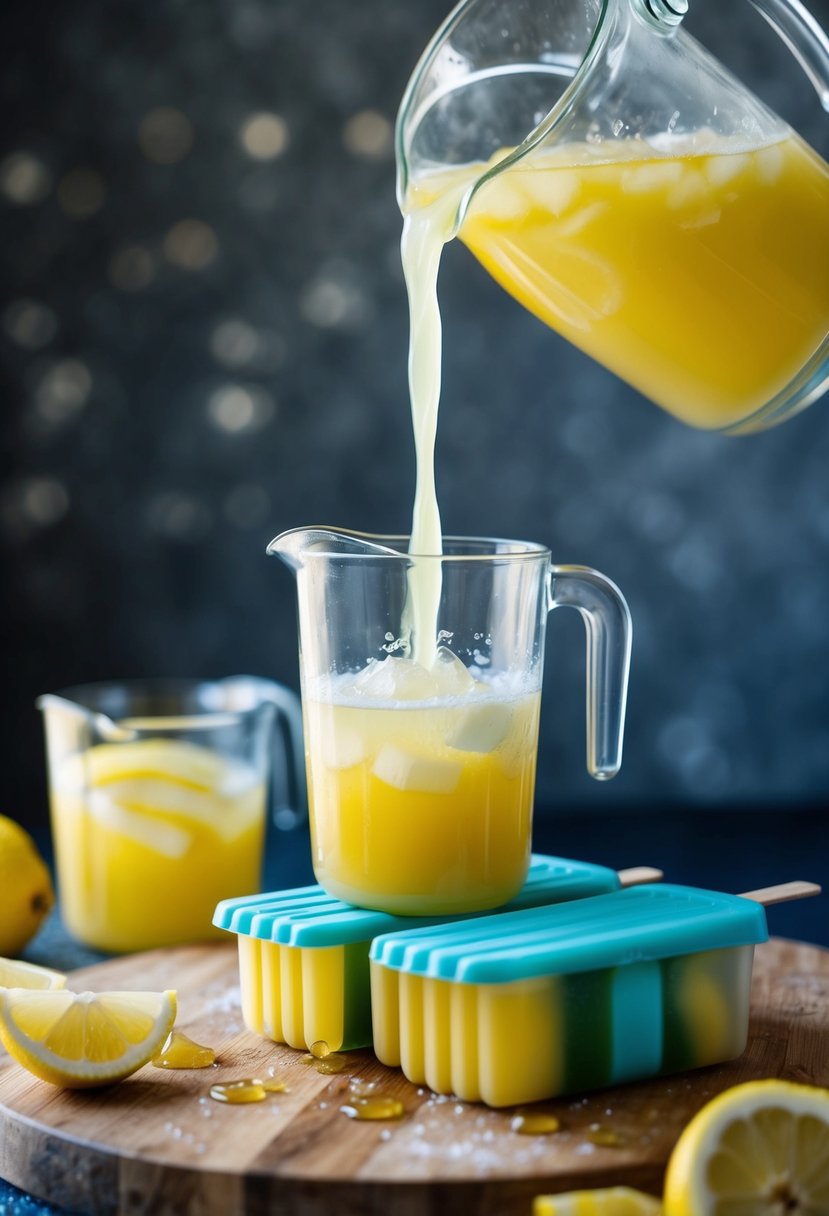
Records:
x=609, y=1201
x=759, y=1148
x=15, y=974
x=78, y=1039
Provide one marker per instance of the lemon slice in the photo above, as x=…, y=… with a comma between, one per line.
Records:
x=77, y=1039
x=760, y=1148
x=610, y=1201
x=15, y=974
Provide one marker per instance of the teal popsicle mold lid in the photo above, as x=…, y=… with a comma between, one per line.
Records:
x=308, y=917
x=640, y=924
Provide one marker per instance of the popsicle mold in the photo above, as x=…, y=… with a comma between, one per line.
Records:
x=304, y=956
x=525, y=1005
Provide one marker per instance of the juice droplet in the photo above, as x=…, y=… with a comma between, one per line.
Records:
x=374, y=1106
x=239, y=1093
x=274, y=1085
x=323, y=1059
x=538, y=1123
x=180, y=1051
x=604, y=1137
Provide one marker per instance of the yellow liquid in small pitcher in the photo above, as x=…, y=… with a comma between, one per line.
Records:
x=701, y=278
x=149, y=836
x=423, y=809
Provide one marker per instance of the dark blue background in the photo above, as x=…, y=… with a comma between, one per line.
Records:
x=175, y=395
x=133, y=516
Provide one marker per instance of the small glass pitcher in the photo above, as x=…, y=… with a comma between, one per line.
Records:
x=634, y=195
x=421, y=771
x=158, y=792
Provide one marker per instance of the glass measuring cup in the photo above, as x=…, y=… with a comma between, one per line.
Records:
x=421, y=777
x=634, y=195
x=158, y=793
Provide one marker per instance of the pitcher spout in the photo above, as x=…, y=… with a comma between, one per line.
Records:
x=295, y=546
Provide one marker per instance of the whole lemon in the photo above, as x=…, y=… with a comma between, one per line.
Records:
x=26, y=893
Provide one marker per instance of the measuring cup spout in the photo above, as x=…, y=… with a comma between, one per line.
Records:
x=99, y=723
x=297, y=544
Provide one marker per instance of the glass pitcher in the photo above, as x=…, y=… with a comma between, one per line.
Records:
x=634, y=195
x=158, y=792
x=421, y=770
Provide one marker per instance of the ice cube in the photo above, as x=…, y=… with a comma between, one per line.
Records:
x=691, y=188
x=409, y=771
x=553, y=190
x=342, y=747
x=721, y=169
x=641, y=179
x=500, y=200
x=450, y=676
x=581, y=218
x=769, y=164
x=480, y=728
x=395, y=679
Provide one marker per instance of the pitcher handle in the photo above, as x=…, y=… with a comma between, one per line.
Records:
x=608, y=627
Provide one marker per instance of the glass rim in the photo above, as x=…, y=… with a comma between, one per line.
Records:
x=497, y=548
x=89, y=700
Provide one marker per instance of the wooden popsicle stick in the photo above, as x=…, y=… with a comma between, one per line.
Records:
x=637, y=876
x=782, y=893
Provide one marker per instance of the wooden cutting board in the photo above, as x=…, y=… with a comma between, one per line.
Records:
x=156, y=1144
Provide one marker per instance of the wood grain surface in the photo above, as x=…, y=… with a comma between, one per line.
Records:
x=157, y=1144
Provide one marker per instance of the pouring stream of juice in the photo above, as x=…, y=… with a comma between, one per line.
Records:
x=696, y=271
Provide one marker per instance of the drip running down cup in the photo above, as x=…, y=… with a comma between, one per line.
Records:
x=421, y=752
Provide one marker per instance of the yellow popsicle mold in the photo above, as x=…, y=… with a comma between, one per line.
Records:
x=303, y=955
x=526, y=1005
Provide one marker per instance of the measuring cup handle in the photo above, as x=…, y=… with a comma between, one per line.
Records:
x=608, y=626
x=288, y=786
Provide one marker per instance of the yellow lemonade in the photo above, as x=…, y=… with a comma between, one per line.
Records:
x=699, y=276
x=149, y=836
x=421, y=806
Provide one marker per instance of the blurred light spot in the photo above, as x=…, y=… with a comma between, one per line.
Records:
x=264, y=136
x=335, y=299
x=44, y=500
x=696, y=565
x=165, y=135
x=63, y=390
x=24, y=179
x=285, y=819
x=81, y=192
x=368, y=134
x=703, y=767
x=234, y=343
x=132, y=268
x=29, y=324
x=583, y=434
x=234, y=408
x=191, y=245
x=657, y=516
x=32, y=503
x=179, y=515
x=247, y=506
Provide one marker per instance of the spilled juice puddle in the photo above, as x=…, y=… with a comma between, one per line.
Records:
x=536, y=1123
x=325, y=1061
x=180, y=1051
